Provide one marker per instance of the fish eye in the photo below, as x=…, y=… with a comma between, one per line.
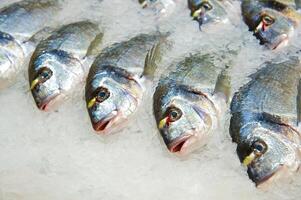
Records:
x=206, y=5
x=45, y=74
x=259, y=147
x=102, y=94
x=268, y=20
x=174, y=114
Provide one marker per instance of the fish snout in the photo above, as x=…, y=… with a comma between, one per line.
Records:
x=184, y=145
x=102, y=126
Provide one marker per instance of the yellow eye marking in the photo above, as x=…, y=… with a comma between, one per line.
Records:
x=163, y=123
x=249, y=159
x=34, y=84
x=92, y=102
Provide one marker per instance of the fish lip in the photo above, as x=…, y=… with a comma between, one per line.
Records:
x=283, y=38
x=102, y=125
x=178, y=146
x=266, y=178
x=44, y=105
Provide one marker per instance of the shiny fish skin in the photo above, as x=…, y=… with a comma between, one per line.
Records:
x=190, y=91
x=264, y=121
x=114, y=87
x=63, y=54
x=18, y=22
x=208, y=11
x=273, y=22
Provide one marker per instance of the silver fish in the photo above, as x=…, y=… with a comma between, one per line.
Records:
x=56, y=67
x=188, y=102
x=273, y=22
x=265, y=113
x=18, y=22
x=115, y=86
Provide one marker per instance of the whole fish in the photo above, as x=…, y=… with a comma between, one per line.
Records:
x=188, y=102
x=265, y=113
x=18, y=22
x=273, y=22
x=115, y=86
x=56, y=67
x=208, y=11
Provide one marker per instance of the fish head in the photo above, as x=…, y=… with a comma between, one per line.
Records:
x=268, y=154
x=112, y=96
x=184, y=118
x=207, y=11
x=273, y=29
x=52, y=75
x=11, y=56
x=272, y=23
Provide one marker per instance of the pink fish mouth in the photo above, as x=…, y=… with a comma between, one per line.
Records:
x=182, y=145
x=47, y=104
x=105, y=124
x=281, y=42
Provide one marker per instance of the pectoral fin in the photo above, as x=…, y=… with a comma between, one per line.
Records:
x=95, y=46
x=223, y=84
x=150, y=65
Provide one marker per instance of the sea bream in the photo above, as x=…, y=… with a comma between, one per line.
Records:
x=189, y=101
x=208, y=11
x=265, y=115
x=56, y=67
x=18, y=23
x=272, y=22
x=116, y=81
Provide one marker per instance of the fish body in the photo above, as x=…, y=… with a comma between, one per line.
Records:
x=56, y=67
x=18, y=22
x=208, y=11
x=273, y=22
x=115, y=86
x=187, y=102
x=264, y=121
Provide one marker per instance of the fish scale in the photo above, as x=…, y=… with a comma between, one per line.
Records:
x=264, y=120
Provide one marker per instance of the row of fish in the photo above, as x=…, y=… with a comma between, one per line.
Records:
x=188, y=102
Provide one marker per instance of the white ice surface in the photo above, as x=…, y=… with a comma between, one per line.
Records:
x=57, y=155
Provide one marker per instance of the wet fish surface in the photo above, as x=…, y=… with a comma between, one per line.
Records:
x=273, y=22
x=56, y=67
x=18, y=22
x=208, y=11
x=265, y=114
x=188, y=102
x=116, y=81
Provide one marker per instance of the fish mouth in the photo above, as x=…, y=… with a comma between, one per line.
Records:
x=280, y=41
x=47, y=104
x=104, y=124
x=182, y=146
x=265, y=179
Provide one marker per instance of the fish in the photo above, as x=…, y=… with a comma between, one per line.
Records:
x=188, y=102
x=116, y=82
x=162, y=7
x=264, y=123
x=56, y=67
x=18, y=23
x=272, y=22
x=208, y=11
